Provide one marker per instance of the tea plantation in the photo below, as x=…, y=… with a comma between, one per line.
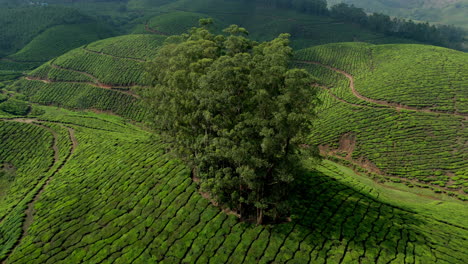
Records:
x=119, y=198
x=402, y=117
x=100, y=187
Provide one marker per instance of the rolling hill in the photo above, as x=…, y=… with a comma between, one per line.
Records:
x=134, y=203
x=83, y=180
x=450, y=12
x=392, y=111
x=398, y=116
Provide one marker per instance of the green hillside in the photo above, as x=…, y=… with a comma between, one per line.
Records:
x=133, y=203
x=33, y=34
x=446, y=12
x=16, y=32
x=105, y=75
x=263, y=23
x=59, y=39
x=389, y=110
x=83, y=179
x=399, y=117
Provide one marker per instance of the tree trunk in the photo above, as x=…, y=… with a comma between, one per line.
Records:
x=259, y=216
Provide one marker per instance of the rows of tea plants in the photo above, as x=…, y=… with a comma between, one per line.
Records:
x=349, y=57
x=337, y=83
x=82, y=96
x=178, y=22
x=87, y=119
x=107, y=69
x=428, y=147
x=26, y=148
x=48, y=72
x=8, y=65
x=57, y=40
x=407, y=144
x=418, y=76
x=137, y=46
x=133, y=203
x=21, y=24
x=413, y=75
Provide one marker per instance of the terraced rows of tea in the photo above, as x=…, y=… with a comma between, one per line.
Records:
x=30, y=155
x=105, y=75
x=391, y=115
x=120, y=198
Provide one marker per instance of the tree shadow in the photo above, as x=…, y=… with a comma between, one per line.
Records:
x=338, y=223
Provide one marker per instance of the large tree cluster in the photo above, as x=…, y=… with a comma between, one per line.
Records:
x=236, y=113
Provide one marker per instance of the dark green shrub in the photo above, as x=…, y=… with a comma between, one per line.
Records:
x=15, y=107
x=3, y=97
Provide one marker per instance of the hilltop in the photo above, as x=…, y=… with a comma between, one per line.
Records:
x=450, y=12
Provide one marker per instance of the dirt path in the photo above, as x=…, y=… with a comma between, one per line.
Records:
x=98, y=85
x=338, y=98
x=30, y=209
x=396, y=106
x=113, y=56
x=154, y=31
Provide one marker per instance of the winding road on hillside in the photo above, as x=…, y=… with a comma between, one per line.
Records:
x=396, y=106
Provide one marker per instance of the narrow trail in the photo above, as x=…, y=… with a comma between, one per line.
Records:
x=113, y=56
x=95, y=79
x=338, y=98
x=396, y=106
x=154, y=31
x=97, y=84
x=29, y=212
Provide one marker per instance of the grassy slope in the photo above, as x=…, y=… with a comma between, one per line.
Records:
x=33, y=35
x=102, y=75
x=147, y=209
x=133, y=202
x=57, y=40
x=399, y=142
x=264, y=23
x=425, y=141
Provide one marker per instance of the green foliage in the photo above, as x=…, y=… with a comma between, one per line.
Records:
x=235, y=113
x=15, y=107
x=3, y=97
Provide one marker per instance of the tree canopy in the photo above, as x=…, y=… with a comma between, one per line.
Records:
x=236, y=113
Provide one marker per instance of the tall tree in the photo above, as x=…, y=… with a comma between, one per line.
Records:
x=234, y=111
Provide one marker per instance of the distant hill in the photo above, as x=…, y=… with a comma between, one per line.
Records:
x=450, y=12
x=32, y=35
